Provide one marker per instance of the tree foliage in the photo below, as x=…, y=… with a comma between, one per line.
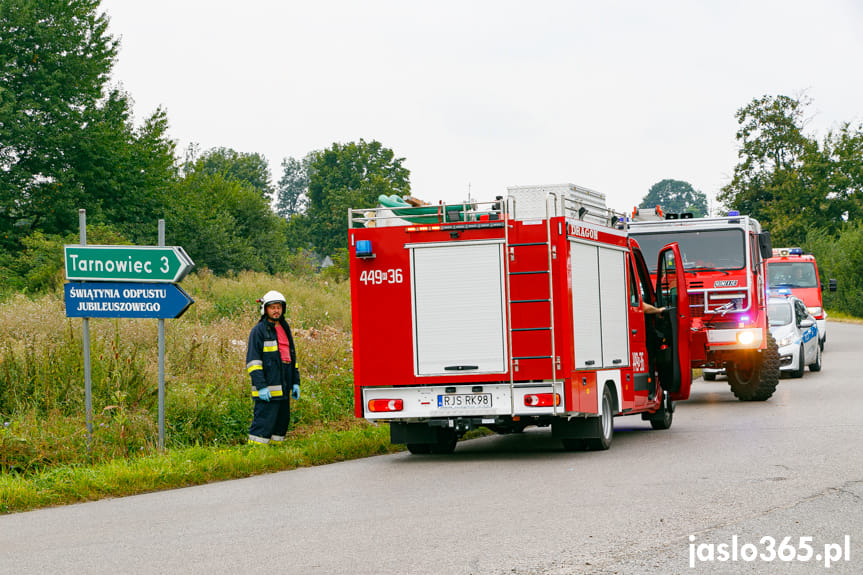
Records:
x=676, y=196
x=346, y=176
x=39, y=265
x=292, y=189
x=789, y=180
x=840, y=258
x=225, y=225
x=66, y=139
x=251, y=168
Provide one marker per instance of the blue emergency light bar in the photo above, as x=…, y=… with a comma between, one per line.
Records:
x=784, y=252
x=779, y=292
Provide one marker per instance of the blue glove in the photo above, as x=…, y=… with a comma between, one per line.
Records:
x=264, y=394
x=295, y=393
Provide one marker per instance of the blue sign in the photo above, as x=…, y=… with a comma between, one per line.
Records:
x=115, y=299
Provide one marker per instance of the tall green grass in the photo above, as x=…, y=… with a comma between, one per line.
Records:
x=42, y=419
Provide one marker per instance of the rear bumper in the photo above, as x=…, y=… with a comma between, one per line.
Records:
x=484, y=401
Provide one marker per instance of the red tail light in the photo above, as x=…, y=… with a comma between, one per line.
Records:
x=542, y=399
x=378, y=405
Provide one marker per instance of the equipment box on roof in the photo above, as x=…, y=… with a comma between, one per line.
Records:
x=562, y=199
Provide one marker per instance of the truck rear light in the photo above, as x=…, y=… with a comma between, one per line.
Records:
x=379, y=405
x=541, y=399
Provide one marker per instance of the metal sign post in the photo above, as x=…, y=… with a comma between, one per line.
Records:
x=88, y=390
x=162, y=358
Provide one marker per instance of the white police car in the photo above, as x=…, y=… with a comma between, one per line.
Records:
x=796, y=334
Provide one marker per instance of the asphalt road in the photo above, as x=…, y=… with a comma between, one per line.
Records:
x=726, y=477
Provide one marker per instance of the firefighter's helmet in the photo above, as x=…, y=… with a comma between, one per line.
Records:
x=272, y=296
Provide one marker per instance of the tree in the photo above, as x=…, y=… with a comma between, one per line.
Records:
x=346, y=176
x=293, y=186
x=252, y=169
x=844, y=148
x=126, y=172
x=224, y=224
x=66, y=141
x=676, y=196
x=783, y=177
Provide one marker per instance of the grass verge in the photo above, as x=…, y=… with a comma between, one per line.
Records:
x=186, y=467
x=843, y=317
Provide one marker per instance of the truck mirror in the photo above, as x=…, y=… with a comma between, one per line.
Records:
x=765, y=245
x=832, y=283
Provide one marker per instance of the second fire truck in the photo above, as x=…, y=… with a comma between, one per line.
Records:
x=723, y=259
x=524, y=311
x=792, y=270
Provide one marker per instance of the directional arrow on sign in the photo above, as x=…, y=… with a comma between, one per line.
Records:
x=115, y=299
x=162, y=264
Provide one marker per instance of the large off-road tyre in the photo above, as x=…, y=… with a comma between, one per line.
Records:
x=755, y=377
x=606, y=425
x=708, y=376
x=801, y=365
x=419, y=448
x=817, y=365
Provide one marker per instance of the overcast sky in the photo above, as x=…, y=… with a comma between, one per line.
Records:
x=478, y=96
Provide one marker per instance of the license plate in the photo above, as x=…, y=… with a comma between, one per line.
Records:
x=458, y=400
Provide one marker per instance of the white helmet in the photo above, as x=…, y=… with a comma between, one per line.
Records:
x=272, y=296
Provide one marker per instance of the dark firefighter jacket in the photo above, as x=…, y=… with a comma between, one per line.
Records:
x=264, y=363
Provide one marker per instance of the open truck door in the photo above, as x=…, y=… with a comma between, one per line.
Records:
x=675, y=372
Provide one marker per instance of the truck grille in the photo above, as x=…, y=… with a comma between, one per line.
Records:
x=716, y=300
x=696, y=304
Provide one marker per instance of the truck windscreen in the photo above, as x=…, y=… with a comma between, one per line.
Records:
x=791, y=274
x=702, y=250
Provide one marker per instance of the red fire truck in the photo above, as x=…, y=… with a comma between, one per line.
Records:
x=723, y=260
x=797, y=273
x=474, y=315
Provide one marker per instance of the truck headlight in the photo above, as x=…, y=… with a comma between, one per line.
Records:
x=815, y=311
x=745, y=337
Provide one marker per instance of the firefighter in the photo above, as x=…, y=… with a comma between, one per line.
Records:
x=271, y=362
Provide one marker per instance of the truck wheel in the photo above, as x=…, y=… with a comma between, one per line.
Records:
x=606, y=425
x=801, y=365
x=754, y=376
x=573, y=444
x=419, y=448
x=817, y=365
x=446, y=442
x=664, y=416
x=708, y=376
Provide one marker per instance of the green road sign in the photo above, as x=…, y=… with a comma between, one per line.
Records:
x=164, y=264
